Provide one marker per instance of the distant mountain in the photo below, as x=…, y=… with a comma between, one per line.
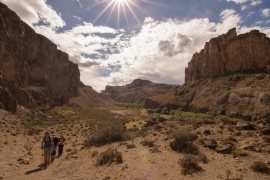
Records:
x=137, y=91
x=33, y=72
x=229, y=76
x=87, y=97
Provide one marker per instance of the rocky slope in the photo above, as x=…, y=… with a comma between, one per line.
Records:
x=33, y=72
x=136, y=92
x=230, y=53
x=210, y=89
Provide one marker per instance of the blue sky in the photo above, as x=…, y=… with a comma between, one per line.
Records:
x=117, y=41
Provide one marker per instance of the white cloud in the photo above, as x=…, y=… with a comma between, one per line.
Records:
x=256, y=2
x=77, y=17
x=266, y=12
x=229, y=19
x=244, y=7
x=79, y=3
x=34, y=11
x=81, y=41
x=250, y=14
x=238, y=1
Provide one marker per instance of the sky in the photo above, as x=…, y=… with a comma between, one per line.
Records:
x=117, y=41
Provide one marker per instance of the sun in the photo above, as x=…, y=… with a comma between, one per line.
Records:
x=122, y=9
x=119, y=7
x=122, y=2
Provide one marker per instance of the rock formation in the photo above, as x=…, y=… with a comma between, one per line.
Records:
x=229, y=54
x=33, y=72
x=230, y=76
x=136, y=92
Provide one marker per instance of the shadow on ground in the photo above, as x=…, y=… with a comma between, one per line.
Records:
x=40, y=168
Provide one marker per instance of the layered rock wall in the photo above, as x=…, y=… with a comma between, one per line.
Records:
x=33, y=72
x=229, y=54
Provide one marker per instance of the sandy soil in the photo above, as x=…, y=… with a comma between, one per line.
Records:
x=139, y=163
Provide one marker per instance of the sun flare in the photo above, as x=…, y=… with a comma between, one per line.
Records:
x=122, y=9
x=122, y=2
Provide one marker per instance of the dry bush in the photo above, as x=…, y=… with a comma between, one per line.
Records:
x=189, y=164
x=109, y=156
x=230, y=176
x=148, y=143
x=261, y=167
x=183, y=141
x=107, y=134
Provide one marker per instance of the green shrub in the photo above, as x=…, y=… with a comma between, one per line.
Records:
x=158, y=111
x=189, y=116
x=172, y=112
x=223, y=118
x=165, y=110
x=150, y=111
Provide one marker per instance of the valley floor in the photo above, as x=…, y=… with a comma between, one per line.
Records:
x=21, y=155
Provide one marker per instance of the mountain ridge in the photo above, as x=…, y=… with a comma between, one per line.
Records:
x=136, y=92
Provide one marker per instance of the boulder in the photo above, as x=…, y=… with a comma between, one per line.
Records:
x=211, y=144
x=207, y=132
x=245, y=126
x=225, y=149
x=265, y=130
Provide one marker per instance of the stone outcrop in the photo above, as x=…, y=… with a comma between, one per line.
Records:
x=239, y=95
x=33, y=72
x=228, y=54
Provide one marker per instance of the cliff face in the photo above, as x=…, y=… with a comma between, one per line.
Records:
x=229, y=54
x=217, y=82
x=136, y=92
x=33, y=73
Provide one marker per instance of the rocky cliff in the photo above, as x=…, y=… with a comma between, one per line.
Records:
x=230, y=76
x=33, y=72
x=136, y=92
x=229, y=54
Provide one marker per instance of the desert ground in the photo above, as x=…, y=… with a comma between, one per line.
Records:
x=147, y=148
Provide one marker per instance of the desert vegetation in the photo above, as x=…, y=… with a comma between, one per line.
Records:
x=119, y=137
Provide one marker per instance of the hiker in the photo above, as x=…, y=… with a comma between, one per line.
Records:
x=55, y=143
x=47, y=144
x=61, y=144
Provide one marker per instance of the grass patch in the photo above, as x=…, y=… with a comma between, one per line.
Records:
x=136, y=132
x=223, y=118
x=130, y=105
x=189, y=116
x=138, y=124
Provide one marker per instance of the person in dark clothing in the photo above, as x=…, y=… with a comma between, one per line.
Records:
x=61, y=145
x=55, y=142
